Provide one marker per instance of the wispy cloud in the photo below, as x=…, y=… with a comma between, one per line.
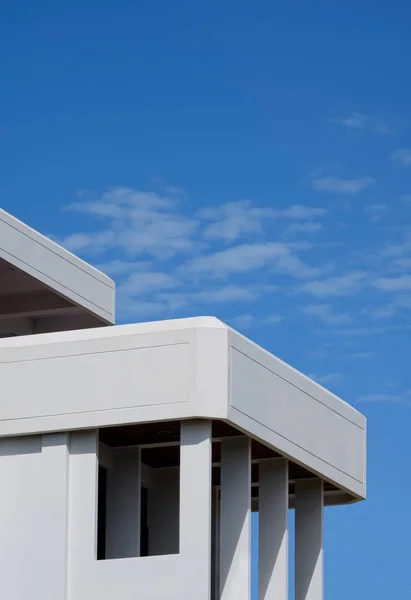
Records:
x=403, y=156
x=328, y=379
x=339, y=185
x=325, y=313
x=116, y=268
x=242, y=322
x=357, y=355
x=247, y=257
x=302, y=228
x=394, y=284
x=235, y=220
x=273, y=319
x=375, y=212
x=339, y=285
x=139, y=284
x=358, y=120
x=381, y=399
x=136, y=222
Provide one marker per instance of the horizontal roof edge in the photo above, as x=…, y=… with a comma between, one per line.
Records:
x=61, y=271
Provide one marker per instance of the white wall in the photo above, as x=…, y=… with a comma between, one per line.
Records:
x=185, y=575
x=177, y=370
x=296, y=416
x=33, y=517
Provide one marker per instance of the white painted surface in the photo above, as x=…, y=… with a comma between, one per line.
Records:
x=189, y=368
x=185, y=575
x=235, y=519
x=33, y=517
x=273, y=530
x=32, y=253
x=309, y=545
x=123, y=505
x=195, y=508
x=138, y=372
x=303, y=421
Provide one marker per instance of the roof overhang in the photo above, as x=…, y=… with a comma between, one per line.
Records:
x=180, y=369
x=43, y=287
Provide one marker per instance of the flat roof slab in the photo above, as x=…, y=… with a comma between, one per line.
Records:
x=39, y=279
x=179, y=369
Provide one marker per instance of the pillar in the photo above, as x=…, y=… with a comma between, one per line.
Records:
x=235, y=519
x=273, y=530
x=34, y=472
x=195, y=506
x=123, y=504
x=309, y=525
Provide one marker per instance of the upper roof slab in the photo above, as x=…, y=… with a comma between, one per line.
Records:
x=43, y=287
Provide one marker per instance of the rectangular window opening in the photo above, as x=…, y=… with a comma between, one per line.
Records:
x=138, y=511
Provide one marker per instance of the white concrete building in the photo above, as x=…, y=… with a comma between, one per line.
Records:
x=131, y=457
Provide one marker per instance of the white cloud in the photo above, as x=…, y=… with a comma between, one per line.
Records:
x=300, y=212
x=358, y=120
x=366, y=331
x=403, y=263
x=375, y=212
x=357, y=355
x=242, y=322
x=142, y=283
x=403, y=156
x=230, y=293
x=247, y=257
x=339, y=285
x=381, y=398
x=122, y=267
x=325, y=313
x=339, y=185
x=235, y=220
x=393, y=284
x=303, y=228
x=273, y=319
x=355, y=120
x=329, y=379
x=137, y=223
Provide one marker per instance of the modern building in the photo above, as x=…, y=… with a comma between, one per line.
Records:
x=132, y=457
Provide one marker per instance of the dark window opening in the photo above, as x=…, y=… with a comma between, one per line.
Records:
x=102, y=512
x=144, y=551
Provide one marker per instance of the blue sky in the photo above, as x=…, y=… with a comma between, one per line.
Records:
x=246, y=160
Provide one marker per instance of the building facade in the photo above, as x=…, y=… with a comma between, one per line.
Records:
x=132, y=456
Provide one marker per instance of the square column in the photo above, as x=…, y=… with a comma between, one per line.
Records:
x=309, y=547
x=273, y=530
x=195, y=506
x=123, y=505
x=235, y=519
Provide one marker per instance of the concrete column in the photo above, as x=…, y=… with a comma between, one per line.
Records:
x=195, y=506
x=164, y=513
x=235, y=519
x=123, y=505
x=309, y=525
x=34, y=474
x=82, y=509
x=56, y=460
x=273, y=530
